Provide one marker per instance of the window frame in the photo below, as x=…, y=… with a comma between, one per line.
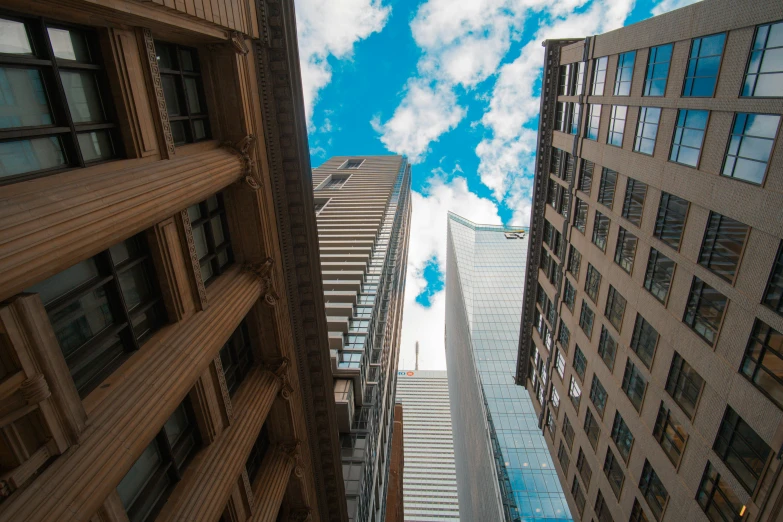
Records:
x=663, y=219
x=651, y=66
x=595, y=428
x=646, y=478
x=622, y=58
x=581, y=363
x=597, y=63
x=607, y=187
x=579, y=223
x=593, y=116
x=614, y=301
x=664, y=420
x=636, y=340
x=607, y=348
x=683, y=127
x=586, y=172
x=649, y=275
x=710, y=250
x=760, y=335
x=592, y=283
x=737, y=423
x=614, y=123
x=696, y=302
x=610, y=468
x=598, y=224
x=214, y=251
x=699, y=57
x=598, y=396
x=775, y=277
x=750, y=61
x=641, y=124
x=591, y=319
x=616, y=434
x=711, y=484
x=677, y=380
x=631, y=376
x=620, y=250
x=239, y=351
x=584, y=469
x=741, y=139
x=630, y=199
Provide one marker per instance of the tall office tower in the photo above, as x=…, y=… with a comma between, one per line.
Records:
x=651, y=335
x=430, y=478
x=363, y=211
x=504, y=471
x=163, y=339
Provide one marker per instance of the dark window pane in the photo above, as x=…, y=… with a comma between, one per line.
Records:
x=575, y=394
x=592, y=428
x=722, y=245
x=684, y=385
x=742, y=450
x=633, y=205
x=704, y=311
x=580, y=215
x=23, y=98
x=210, y=235
x=670, y=222
x=644, y=340
x=607, y=348
x=580, y=363
x=607, y=187
x=598, y=396
x=84, y=101
x=634, y=384
x=670, y=434
x=69, y=44
x=23, y=156
x=95, y=146
x=592, y=283
x=763, y=361
x=615, y=308
x=586, y=319
x=658, y=277
x=653, y=490
x=600, y=230
x=586, y=179
x=773, y=295
x=716, y=498
x=622, y=436
x=614, y=472
x=625, y=252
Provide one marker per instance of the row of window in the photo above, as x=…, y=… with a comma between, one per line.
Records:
x=763, y=73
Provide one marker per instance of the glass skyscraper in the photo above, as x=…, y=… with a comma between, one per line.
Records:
x=504, y=470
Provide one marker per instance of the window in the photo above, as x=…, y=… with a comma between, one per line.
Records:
x=607, y=348
x=722, y=246
x=765, y=67
x=568, y=173
x=606, y=187
x=592, y=428
x=573, y=123
x=586, y=319
x=750, y=145
x=575, y=262
x=352, y=164
x=644, y=341
x=580, y=363
x=617, y=125
x=575, y=394
x=563, y=458
x=704, y=311
x=183, y=89
x=684, y=385
x=703, y=65
x=564, y=336
x=634, y=384
x=584, y=468
x=580, y=216
x=148, y=484
x=560, y=115
x=716, y=498
x=625, y=252
x=688, y=137
x=579, y=497
x=614, y=472
x=633, y=205
x=335, y=182
x=593, y=121
x=555, y=161
x=670, y=222
x=653, y=490
x=647, y=130
x=363, y=312
x=658, y=277
x=637, y=513
x=742, y=450
x=237, y=358
x=210, y=234
x=599, y=76
x=586, y=179
x=622, y=82
x=598, y=396
x=670, y=434
x=580, y=78
x=600, y=230
x=257, y=453
x=569, y=294
x=102, y=309
x=622, y=436
x=592, y=282
x=568, y=432
x=615, y=308
x=657, y=70
x=55, y=98
x=601, y=509
x=560, y=364
x=564, y=80
x=763, y=361
x=773, y=295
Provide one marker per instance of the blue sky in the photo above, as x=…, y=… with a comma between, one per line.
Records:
x=452, y=84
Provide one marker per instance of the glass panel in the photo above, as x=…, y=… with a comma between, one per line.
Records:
x=20, y=157
x=123, y=251
x=14, y=38
x=177, y=424
x=22, y=98
x=179, y=133
x=206, y=271
x=90, y=362
x=212, y=203
x=84, y=100
x=194, y=212
x=145, y=322
x=166, y=56
x=95, y=146
x=193, y=93
x=133, y=483
x=62, y=283
x=186, y=58
x=223, y=258
x=171, y=93
x=81, y=320
x=200, y=239
x=217, y=230
x=69, y=44
x=135, y=285
x=199, y=130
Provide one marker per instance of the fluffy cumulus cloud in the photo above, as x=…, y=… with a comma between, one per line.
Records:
x=330, y=29
x=425, y=324
x=670, y=5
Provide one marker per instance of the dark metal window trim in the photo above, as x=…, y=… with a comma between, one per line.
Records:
x=631, y=378
x=621, y=430
x=612, y=468
x=693, y=315
x=624, y=257
x=598, y=396
x=213, y=250
x=580, y=219
x=568, y=431
x=601, y=229
x=607, y=348
x=648, y=483
x=712, y=485
x=584, y=469
x=773, y=292
x=586, y=176
x=652, y=270
x=663, y=421
x=632, y=201
x=677, y=382
x=587, y=319
x=667, y=218
x=607, y=187
x=592, y=427
x=237, y=357
x=642, y=332
x=757, y=352
x=715, y=239
x=615, y=308
x=580, y=363
x=734, y=430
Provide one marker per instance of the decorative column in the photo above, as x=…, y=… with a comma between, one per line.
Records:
x=272, y=480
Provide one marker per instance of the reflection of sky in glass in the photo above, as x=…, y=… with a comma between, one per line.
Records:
x=492, y=275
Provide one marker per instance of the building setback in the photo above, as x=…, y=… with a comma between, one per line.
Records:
x=650, y=339
x=363, y=212
x=163, y=339
x=430, y=477
x=504, y=471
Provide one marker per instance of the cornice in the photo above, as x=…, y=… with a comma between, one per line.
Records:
x=285, y=134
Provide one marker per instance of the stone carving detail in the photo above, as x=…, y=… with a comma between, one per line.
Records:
x=152, y=59
x=292, y=451
x=301, y=515
x=251, y=499
x=238, y=42
x=263, y=272
x=35, y=389
x=196, y=265
x=224, y=389
x=279, y=367
x=243, y=148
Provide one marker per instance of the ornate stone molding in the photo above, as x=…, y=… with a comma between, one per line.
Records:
x=194, y=261
x=35, y=389
x=237, y=40
x=243, y=148
x=263, y=272
x=152, y=60
x=224, y=389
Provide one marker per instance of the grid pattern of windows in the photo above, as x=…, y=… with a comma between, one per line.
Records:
x=657, y=70
x=644, y=340
x=575, y=262
x=236, y=357
x=688, y=137
x=580, y=216
x=765, y=67
x=622, y=81
x=647, y=130
x=607, y=348
x=763, y=361
x=586, y=178
x=607, y=187
x=684, y=385
x=103, y=308
x=750, y=145
x=586, y=318
x=210, y=234
x=773, y=295
x=600, y=230
x=670, y=434
x=653, y=490
x=742, y=450
x=183, y=89
x=568, y=432
x=722, y=246
x=704, y=311
x=598, y=396
x=579, y=496
x=615, y=308
x=575, y=394
x=622, y=436
x=599, y=76
x=584, y=468
x=592, y=428
x=614, y=472
x=592, y=282
x=716, y=498
x=617, y=125
x=703, y=65
x=580, y=363
x=658, y=277
x=55, y=98
x=634, y=384
x=625, y=252
x=593, y=121
x=569, y=294
x=633, y=204
x=672, y=212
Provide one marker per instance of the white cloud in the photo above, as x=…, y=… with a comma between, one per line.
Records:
x=331, y=28
x=670, y=5
x=427, y=244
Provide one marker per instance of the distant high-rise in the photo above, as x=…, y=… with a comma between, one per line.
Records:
x=504, y=471
x=651, y=339
x=363, y=212
x=430, y=480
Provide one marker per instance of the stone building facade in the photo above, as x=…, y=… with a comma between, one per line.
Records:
x=651, y=331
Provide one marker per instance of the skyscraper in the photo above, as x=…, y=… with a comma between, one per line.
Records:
x=430, y=479
x=363, y=212
x=504, y=471
x=651, y=335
